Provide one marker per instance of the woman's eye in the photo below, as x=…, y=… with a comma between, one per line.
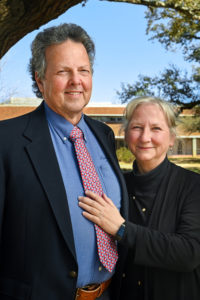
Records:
x=156, y=128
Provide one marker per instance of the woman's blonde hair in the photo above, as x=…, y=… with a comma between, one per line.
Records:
x=167, y=108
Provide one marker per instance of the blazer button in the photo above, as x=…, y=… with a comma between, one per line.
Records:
x=73, y=274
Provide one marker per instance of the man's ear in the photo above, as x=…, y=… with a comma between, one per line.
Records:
x=39, y=82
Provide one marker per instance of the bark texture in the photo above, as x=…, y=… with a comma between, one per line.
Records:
x=19, y=17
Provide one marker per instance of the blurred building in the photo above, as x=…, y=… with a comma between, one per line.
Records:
x=187, y=144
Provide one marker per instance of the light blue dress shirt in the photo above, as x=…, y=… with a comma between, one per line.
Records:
x=90, y=270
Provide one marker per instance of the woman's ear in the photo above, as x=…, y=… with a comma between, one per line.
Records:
x=172, y=140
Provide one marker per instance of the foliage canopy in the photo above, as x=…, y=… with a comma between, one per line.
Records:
x=173, y=23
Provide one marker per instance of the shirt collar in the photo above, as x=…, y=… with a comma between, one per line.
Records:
x=63, y=127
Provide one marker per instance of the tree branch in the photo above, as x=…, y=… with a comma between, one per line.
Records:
x=19, y=17
x=192, y=11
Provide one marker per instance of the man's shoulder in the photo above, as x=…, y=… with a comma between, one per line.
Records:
x=98, y=124
x=18, y=123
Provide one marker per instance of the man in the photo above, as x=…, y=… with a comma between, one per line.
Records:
x=48, y=249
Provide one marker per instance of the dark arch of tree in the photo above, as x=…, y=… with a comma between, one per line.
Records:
x=19, y=17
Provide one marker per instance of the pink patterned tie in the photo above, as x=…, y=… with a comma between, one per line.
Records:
x=107, y=248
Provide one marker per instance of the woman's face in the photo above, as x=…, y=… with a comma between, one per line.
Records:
x=148, y=136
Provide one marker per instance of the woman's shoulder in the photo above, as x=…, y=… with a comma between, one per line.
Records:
x=183, y=174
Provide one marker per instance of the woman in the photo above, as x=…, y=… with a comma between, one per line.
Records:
x=163, y=231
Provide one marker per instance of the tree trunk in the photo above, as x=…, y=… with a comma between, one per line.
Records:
x=19, y=17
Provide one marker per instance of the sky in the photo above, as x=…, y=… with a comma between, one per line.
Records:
x=123, y=50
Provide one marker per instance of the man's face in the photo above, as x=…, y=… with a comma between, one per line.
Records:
x=67, y=85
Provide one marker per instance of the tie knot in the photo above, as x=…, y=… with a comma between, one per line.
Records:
x=76, y=133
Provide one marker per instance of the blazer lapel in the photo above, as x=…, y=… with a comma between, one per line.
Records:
x=43, y=157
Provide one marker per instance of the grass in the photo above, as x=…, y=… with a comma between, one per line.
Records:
x=189, y=163
x=197, y=170
x=185, y=160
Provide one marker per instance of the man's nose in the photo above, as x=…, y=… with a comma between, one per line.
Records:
x=75, y=78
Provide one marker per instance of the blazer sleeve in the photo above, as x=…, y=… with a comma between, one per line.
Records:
x=177, y=249
x=2, y=192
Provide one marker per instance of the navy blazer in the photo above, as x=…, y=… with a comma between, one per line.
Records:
x=37, y=252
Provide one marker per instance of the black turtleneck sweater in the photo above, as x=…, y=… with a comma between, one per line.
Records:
x=142, y=190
